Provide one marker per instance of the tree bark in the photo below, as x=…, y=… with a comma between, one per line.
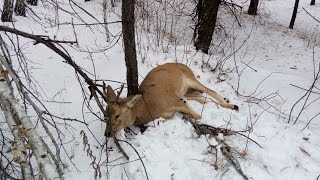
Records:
x=313, y=2
x=39, y=150
x=20, y=8
x=19, y=148
x=294, y=14
x=32, y=2
x=105, y=21
x=19, y=151
x=7, y=11
x=207, y=11
x=253, y=7
x=130, y=45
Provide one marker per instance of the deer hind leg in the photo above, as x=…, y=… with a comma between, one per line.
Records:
x=194, y=84
x=196, y=95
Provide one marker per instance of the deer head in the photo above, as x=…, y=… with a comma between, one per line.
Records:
x=119, y=110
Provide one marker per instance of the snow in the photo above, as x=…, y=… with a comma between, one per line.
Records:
x=276, y=57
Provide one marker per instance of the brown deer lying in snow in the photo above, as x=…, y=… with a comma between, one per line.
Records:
x=162, y=92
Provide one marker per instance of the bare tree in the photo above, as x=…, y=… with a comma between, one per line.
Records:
x=294, y=14
x=7, y=11
x=253, y=7
x=313, y=2
x=130, y=45
x=20, y=8
x=207, y=11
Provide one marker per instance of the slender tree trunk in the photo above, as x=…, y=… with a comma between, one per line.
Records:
x=7, y=11
x=32, y=2
x=253, y=8
x=20, y=8
x=130, y=45
x=105, y=21
x=313, y=2
x=207, y=11
x=294, y=14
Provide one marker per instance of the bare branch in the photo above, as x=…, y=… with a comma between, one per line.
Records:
x=51, y=45
x=311, y=15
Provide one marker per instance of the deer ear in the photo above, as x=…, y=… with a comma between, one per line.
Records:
x=110, y=95
x=133, y=100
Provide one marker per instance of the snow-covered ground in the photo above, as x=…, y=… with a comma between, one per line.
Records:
x=269, y=57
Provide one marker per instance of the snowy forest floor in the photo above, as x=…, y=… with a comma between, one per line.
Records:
x=262, y=60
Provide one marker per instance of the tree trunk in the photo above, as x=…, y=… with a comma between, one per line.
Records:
x=12, y=121
x=105, y=21
x=130, y=45
x=294, y=14
x=253, y=7
x=20, y=8
x=7, y=11
x=32, y=2
x=313, y=2
x=207, y=11
x=35, y=140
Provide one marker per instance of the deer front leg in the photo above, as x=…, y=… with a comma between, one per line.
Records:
x=197, y=96
x=184, y=107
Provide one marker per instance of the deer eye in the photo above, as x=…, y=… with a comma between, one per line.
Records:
x=117, y=116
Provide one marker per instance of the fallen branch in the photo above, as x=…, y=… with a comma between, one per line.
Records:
x=203, y=129
x=226, y=151
x=116, y=141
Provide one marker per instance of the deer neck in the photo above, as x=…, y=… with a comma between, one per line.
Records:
x=140, y=113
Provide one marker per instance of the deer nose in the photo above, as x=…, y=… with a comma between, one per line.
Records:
x=108, y=134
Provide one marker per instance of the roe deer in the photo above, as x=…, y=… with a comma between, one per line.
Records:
x=161, y=95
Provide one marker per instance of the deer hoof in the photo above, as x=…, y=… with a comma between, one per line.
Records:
x=235, y=107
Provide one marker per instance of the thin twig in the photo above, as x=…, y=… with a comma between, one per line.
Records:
x=144, y=167
x=310, y=121
x=90, y=24
x=311, y=15
x=303, y=88
x=116, y=141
